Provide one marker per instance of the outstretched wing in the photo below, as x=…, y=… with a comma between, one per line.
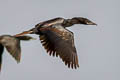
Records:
x=1, y=52
x=13, y=47
x=59, y=41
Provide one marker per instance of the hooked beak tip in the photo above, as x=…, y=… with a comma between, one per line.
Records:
x=92, y=23
x=95, y=24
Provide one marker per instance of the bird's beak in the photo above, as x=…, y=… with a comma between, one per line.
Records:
x=91, y=23
x=94, y=24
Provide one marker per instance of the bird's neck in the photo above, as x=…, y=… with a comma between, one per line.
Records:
x=71, y=22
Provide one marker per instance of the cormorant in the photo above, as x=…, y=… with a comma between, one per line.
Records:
x=57, y=40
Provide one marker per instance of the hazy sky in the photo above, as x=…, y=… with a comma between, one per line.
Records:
x=98, y=47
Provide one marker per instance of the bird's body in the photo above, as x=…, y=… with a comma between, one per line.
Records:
x=57, y=40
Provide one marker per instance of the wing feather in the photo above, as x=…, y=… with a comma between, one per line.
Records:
x=1, y=52
x=60, y=41
x=13, y=47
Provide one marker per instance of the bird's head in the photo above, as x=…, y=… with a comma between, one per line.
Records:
x=81, y=20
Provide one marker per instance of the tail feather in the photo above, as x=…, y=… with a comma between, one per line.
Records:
x=25, y=38
x=23, y=33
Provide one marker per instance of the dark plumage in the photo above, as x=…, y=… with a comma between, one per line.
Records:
x=12, y=44
x=57, y=40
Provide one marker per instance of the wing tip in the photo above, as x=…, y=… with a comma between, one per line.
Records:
x=18, y=58
x=0, y=67
x=73, y=66
x=18, y=61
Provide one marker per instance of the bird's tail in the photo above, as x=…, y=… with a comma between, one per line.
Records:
x=22, y=36
x=31, y=31
x=25, y=38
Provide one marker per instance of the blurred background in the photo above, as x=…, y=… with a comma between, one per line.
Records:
x=98, y=47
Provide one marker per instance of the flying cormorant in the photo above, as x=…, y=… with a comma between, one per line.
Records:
x=57, y=40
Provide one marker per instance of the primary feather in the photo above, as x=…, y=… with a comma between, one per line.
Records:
x=59, y=41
